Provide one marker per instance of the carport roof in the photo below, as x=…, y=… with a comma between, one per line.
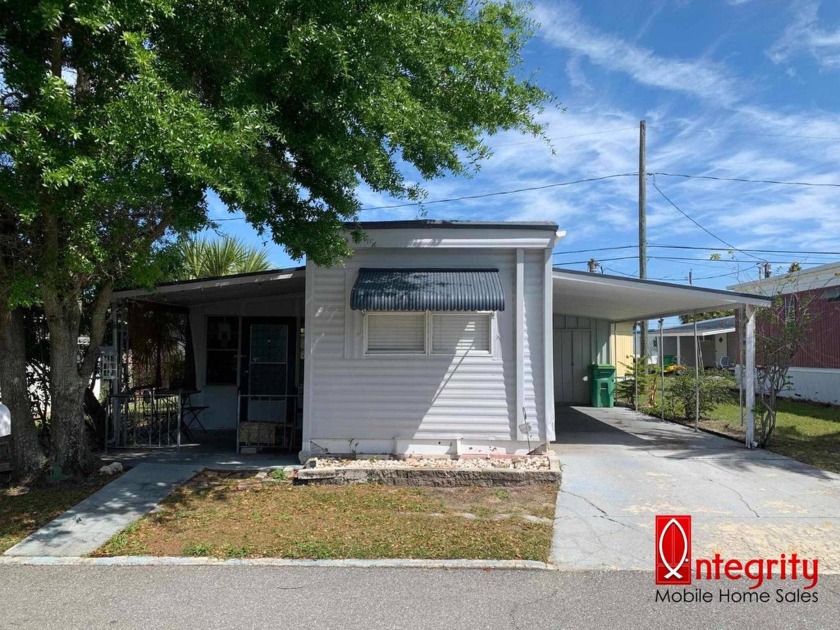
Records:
x=208, y=290
x=618, y=299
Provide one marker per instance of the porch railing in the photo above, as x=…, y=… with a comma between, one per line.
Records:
x=145, y=418
x=268, y=421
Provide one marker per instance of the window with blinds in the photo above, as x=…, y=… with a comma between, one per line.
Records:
x=459, y=333
x=396, y=333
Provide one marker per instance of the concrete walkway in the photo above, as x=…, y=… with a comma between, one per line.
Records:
x=621, y=468
x=153, y=475
x=88, y=525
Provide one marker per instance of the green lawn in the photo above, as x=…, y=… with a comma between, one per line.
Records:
x=21, y=513
x=237, y=516
x=805, y=431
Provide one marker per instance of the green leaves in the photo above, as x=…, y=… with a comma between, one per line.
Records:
x=120, y=115
x=202, y=258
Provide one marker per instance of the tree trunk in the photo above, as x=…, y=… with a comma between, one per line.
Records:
x=28, y=458
x=69, y=443
x=70, y=448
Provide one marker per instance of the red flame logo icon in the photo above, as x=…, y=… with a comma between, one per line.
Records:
x=673, y=549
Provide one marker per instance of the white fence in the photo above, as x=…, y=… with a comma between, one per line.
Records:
x=815, y=384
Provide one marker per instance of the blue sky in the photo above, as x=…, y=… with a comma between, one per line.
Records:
x=729, y=88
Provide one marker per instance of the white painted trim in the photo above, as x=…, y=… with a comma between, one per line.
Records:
x=216, y=283
x=477, y=238
x=429, y=350
x=387, y=353
x=700, y=333
x=430, y=341
x=548, y=347
x=820, y=277
x=519, y=322
x=749, y=385
x=309, y=357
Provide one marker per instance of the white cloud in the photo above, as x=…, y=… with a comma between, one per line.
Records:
x=806, y=35
x=577, y=79
x=563, y=27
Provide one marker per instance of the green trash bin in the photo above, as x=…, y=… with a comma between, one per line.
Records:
x=602, y=385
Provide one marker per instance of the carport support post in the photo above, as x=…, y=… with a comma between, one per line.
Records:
x=662, y=365
x=750, y=376
x=636, y=370
x=696, y=377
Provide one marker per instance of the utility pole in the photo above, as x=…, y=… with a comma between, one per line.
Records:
x=643, y=341
x=593, y=265
x=696, y=365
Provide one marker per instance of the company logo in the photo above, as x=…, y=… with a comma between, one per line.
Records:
x=674, y=565
x=673, y=549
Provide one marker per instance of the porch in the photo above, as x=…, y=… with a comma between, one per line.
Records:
x=215, y=362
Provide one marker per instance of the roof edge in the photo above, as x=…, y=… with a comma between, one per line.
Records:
x=749, y=298
x=197, y=281
x=452, y=225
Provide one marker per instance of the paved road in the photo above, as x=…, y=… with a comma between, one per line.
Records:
x=264, y=597
x=621, y=468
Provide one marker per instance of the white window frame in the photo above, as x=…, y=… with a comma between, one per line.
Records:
x=428, y=350
x=488, y=314
x=380, y=353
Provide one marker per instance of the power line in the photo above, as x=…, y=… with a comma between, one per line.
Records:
x=804, y=252
x=596, y=249
x=748, y=181
x=710, y=233
x=667, y=123
x=732, y=260
x=578, y=135
x=720, y=275
x=501, y=192
x=580, y=262
x=479, y=196
x=765, y=251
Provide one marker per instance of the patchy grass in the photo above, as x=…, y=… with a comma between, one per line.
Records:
x=809, y=432
x=234, y=517
x=22, y=514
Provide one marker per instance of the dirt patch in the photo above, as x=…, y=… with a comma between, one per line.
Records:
x=238, y=515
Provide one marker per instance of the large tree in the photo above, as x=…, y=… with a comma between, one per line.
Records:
x=119, y=115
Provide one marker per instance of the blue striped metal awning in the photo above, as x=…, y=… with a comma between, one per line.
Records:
x=427, y=290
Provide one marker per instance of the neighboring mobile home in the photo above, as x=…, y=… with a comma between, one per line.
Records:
x=717, y=341
x=435, y=337
x=815, y=371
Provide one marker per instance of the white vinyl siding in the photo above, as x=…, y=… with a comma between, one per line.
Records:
x=362, y=396
x=459, y=333
x=396, y=333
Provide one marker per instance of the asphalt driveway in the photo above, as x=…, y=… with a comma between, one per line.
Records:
x=621, y=468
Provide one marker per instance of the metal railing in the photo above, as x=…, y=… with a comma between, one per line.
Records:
x=268, y=421
x=145, y=418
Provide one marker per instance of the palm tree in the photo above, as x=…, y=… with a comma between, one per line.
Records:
x=203, y=258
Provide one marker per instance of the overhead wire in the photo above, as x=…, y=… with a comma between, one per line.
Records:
x=687, y=216
x=747, y=180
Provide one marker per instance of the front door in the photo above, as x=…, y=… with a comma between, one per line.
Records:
x=267, y=372
x=572, y=356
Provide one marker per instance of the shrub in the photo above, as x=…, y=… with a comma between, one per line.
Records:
x=680, y=396
x=637, y=369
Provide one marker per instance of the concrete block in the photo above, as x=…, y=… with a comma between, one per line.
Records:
x=439, y=477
